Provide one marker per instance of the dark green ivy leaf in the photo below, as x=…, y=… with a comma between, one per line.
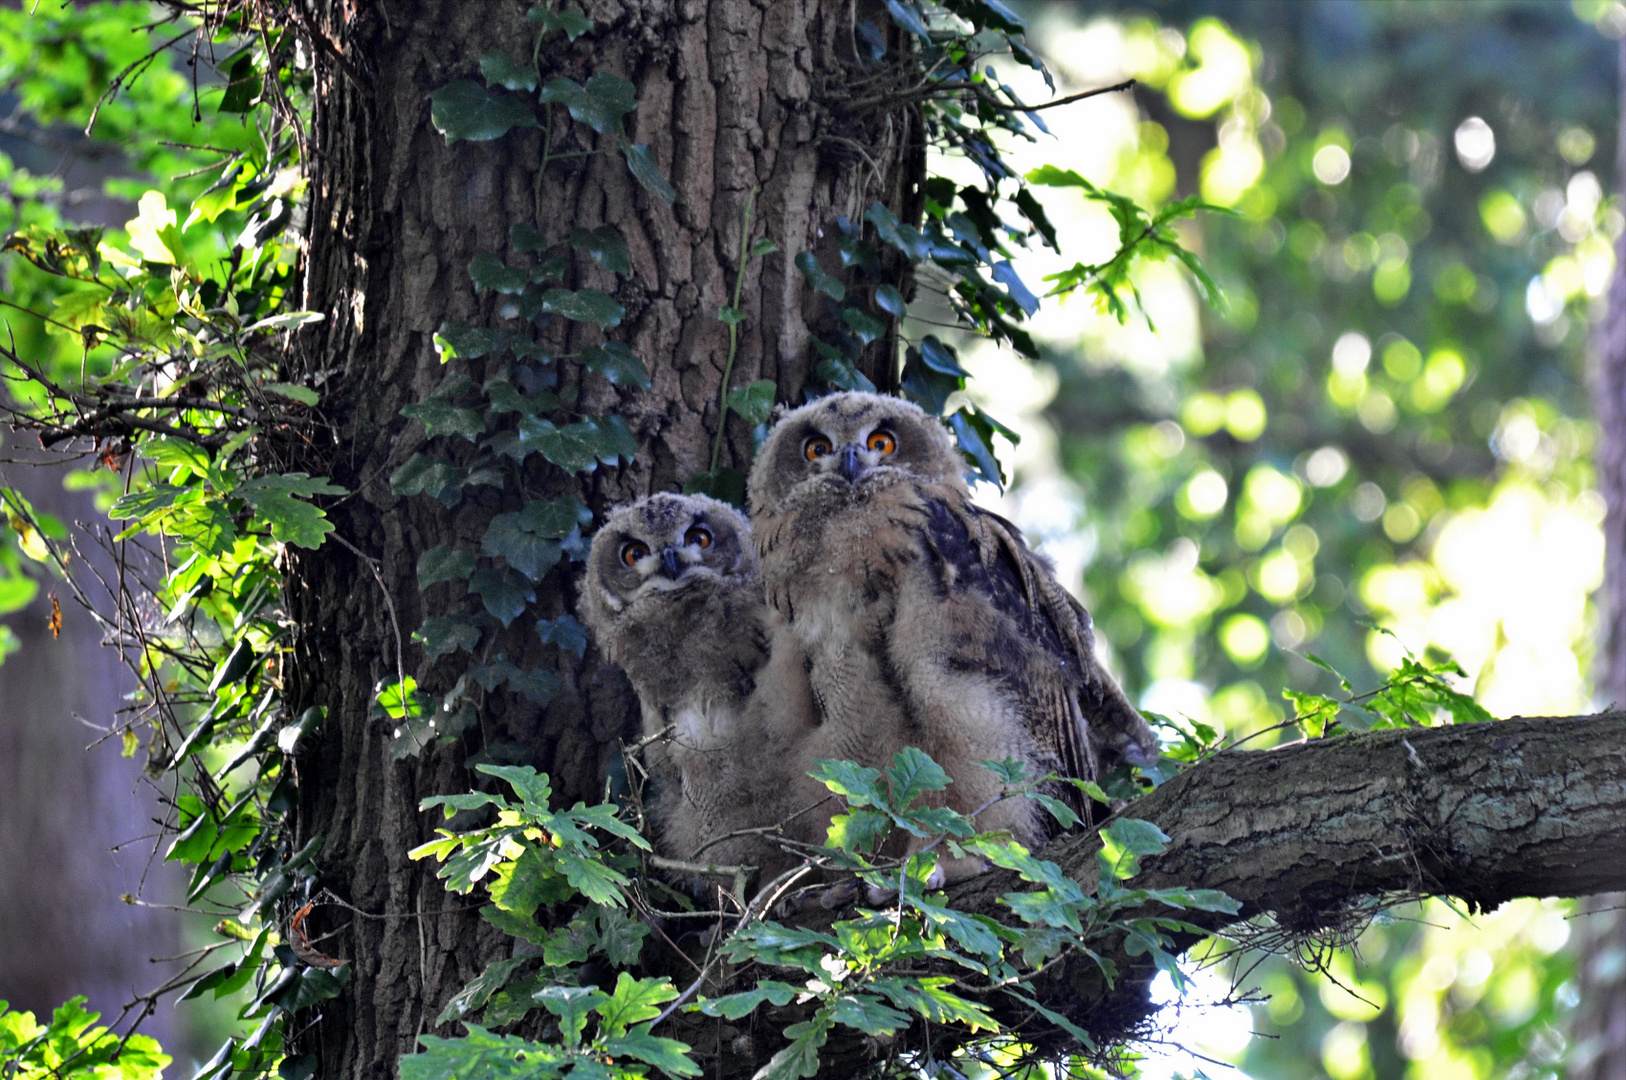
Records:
x=503, y=592
x=940, y=357
x=443, y=418
x=537, y=686
x=447, y=633
x=564, y=632
x=580, y=446
x=1005, y=274
x=890, y=300
x=555, y=518
x=641, y=163
x=974, y=437
x=490, y=272
x=505, y=397
x=571, y=447
x=723, y=484
x=243, y=85
x=600, y=104
x=615, y=439
x=862, y=323
x=551, y=268
x=993, y=13
x=908, y=17
x=453, y=386
x=842, y=375
x=606, y=245
x=1034, y=212
x=442, y=563
x=526, y=551
x=571, y=21
x=526, y=237
x=502, y=70
x=466, y=110
x=313, y=986
x=424, y=475
x=584, y=305
x=906, y=238
x=461, y=339
x=808, y=264
x=754, y=403
x=615, y=362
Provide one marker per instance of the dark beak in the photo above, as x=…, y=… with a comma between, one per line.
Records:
x=670, y=567
x=851, y=467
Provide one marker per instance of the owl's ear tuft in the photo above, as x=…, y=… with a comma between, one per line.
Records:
x=780, y=409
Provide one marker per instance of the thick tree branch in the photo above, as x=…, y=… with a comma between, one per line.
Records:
x=1484, y=812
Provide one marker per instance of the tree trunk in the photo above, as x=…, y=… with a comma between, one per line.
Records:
x=728, y=100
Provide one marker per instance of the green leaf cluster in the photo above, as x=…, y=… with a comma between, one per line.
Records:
x=73, y=1047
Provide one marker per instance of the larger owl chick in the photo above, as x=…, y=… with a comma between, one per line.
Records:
x=926, y=620
x=673, y=596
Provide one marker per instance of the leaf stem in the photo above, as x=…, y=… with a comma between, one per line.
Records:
x=733, y=331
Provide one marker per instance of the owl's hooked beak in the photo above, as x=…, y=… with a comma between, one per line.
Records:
x=852, y=467
x=670, y=566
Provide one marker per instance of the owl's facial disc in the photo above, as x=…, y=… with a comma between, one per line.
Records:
x=852, y=461
x=678, y=562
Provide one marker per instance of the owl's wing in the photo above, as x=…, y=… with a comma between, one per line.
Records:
x=1074, y=709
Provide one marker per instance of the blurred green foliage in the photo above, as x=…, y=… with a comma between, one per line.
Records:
x=73, y=1047
x=1388, y=424
x=1404, y=338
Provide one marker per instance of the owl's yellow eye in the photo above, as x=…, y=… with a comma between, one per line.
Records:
x=632, y=551
x=698, y=534
x=882, y=442
x=816, y=447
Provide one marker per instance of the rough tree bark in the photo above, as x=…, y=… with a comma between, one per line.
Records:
x=1307, y=832
x=728, y=99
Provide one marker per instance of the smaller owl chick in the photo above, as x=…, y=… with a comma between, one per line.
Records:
x=926, y=620
x=673, y=596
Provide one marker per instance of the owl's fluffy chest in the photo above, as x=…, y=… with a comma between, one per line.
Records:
x=841, y=557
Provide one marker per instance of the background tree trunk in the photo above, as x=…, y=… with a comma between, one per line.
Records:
x=71, y=821
x=1598, y=1036
x=727, y=99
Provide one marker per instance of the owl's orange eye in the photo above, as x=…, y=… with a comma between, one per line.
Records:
x=698, y=534
x=816, y=447
x=882, y=442
x=632, y=551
